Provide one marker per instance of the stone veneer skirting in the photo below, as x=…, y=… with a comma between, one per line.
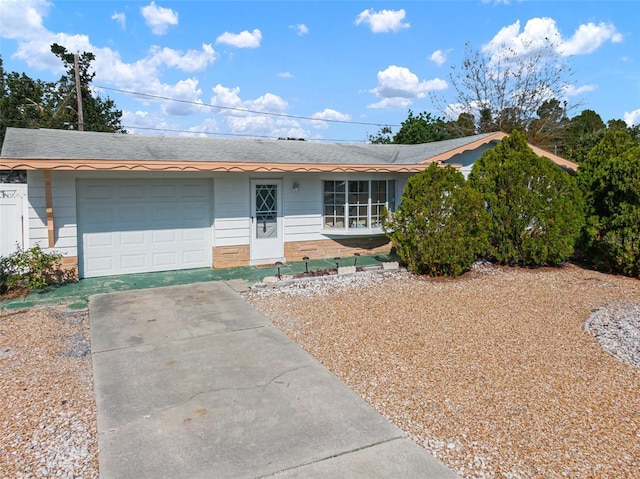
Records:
x=329, y=248
x=232, y=256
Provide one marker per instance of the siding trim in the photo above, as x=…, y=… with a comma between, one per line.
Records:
x=49, y=208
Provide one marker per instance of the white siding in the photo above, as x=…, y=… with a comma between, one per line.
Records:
x=232, y=205
x=63, y=190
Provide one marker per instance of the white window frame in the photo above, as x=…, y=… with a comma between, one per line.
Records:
x=354, y=224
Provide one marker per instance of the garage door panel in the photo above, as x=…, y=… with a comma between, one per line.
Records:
x=193, y=257
x=135, y=226
x=164, y=259
x=132, y=238
x=193, y=234
x=133, y=215
x=99, y=240
x=131, y=192
x=163, y=191
x=132, y=262
x=194, y=191
x=97, y=192
x=164, y=236
x=100, y=265
x=166, y=212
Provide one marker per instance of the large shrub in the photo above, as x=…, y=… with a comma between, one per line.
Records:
x=610, y=179
x=536, y=208
x=440, y=227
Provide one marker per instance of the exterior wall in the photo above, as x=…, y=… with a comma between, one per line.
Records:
x=63, y=188
x=302, y=200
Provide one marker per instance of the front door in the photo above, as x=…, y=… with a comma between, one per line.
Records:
x=266, y=221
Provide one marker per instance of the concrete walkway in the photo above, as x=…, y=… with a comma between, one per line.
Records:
x=192, y=382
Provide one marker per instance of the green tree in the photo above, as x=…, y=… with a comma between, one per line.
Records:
x=440, y=227
x=416, y=129
x=610, y=180
x=463, y=126
x=535, y=206
x=549, y=129
x=583, y=133
x=23, y=101
x=383, y=137
x=422, y=128
x=100, y=114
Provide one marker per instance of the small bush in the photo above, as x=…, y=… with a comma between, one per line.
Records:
x=536, y=208
x=30, y=269
x=440, y=227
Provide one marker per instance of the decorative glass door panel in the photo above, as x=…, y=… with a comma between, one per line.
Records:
x=266, y=221
x=266, y=224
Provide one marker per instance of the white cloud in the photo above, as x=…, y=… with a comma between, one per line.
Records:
x=391, y=103
x=571, y=90
x=159, y=18
x=121, y=18
x=383, y=21
x=587, y=38
x=191, y=61
x=243, y=39
x=187, y=92
x=632, y=118
x=399, y=82
x=328, y=114
x=438, y=57
x=242, y=122
x=22, y=19
x=301, y=28
x=285, y=75
x=540, y=33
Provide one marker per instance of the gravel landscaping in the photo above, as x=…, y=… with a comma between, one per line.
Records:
x=505, y=372
x=48, y=414
x=499, y=373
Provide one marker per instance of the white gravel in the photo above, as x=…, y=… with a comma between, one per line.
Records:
x=48, y=413
x=493, y=373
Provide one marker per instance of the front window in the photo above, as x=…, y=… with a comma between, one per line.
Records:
x=357, y=204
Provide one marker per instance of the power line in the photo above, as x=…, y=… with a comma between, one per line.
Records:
x=243, y=110
x=193, y=132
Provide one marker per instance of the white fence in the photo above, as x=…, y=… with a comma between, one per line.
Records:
x=14, y=217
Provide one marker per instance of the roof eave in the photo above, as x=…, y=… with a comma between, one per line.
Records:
x=211, y=166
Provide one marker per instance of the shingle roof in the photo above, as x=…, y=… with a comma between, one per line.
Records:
x=64, y=144
x=63, y=149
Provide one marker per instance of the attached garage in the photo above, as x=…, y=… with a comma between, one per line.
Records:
x=135, y=226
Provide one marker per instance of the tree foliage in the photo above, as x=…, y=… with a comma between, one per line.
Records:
x=610, y=180
x=416, y=129
x=31, y=103
x=100, y=114
x=440, y=227
x=535, y=206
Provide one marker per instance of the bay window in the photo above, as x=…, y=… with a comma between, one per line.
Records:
x=357, y=204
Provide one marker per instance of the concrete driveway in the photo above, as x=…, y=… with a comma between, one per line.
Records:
x=192, y=382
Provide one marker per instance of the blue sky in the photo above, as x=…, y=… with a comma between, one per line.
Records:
x=361, y=63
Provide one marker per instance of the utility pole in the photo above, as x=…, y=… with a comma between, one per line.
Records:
x=78, y=93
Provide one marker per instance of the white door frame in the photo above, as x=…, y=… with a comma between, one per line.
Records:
x=266, y=242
